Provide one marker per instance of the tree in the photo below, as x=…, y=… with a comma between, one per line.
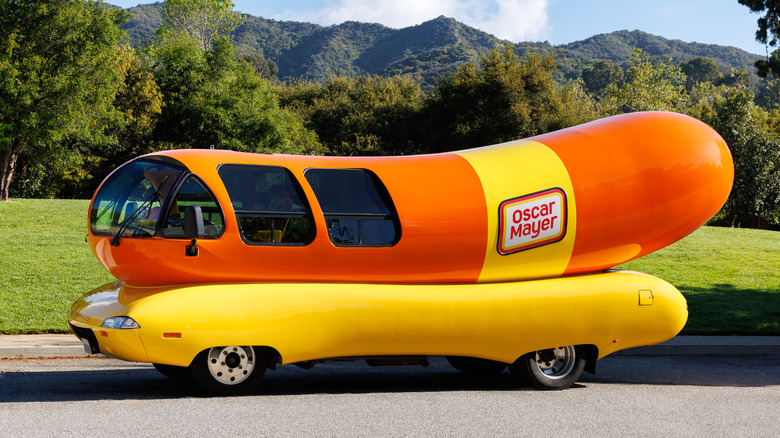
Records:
x=139, y=100
x=768, y=33
x=58, y=64
x=213, y=99
x=201, y=20
x=600, y=75
x=647, y=87
x=502, y=99
x=700, y=70
x=78, y=172
x=266, y=68
x=755, y=196
x=361, y=115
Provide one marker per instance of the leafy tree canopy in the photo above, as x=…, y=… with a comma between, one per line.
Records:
x=361, y=115
x=600, y=75
x=502, y=99
x=201, y=20
x=58, y=64
x=755, y=196
x=215, y=99
x=647, y=87
x=768, y=33
x=700, y=70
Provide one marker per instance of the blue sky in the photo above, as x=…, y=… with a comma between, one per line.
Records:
x=723, y=22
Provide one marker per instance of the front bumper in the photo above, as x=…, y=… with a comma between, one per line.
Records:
x=88, y=313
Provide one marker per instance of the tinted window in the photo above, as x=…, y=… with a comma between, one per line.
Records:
x=270, y=206
x=194, y=192
x=357, y=207
x=132, y=197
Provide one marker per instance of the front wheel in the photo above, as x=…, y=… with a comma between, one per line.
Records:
x=552, y=368
x=231, y=370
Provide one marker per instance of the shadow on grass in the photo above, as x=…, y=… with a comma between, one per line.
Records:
x=724, y=309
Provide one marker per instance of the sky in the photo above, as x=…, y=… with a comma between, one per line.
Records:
x=723, y=22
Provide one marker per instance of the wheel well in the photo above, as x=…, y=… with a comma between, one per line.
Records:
x=591, y=354
x=273, y=358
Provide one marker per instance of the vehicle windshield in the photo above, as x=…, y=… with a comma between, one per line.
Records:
x=132, y=198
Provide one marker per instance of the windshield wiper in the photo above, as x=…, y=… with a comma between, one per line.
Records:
x=132, y=217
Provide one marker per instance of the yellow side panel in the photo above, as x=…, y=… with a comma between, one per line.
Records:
x=514, y=170
x=499, y=321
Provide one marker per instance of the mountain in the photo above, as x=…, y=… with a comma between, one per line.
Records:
x=617, y=47
x=428, y=50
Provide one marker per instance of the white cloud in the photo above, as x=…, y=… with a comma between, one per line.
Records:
x=517, y=20
x=514, y=20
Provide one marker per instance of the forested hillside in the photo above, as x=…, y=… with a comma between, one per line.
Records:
x=427, y=51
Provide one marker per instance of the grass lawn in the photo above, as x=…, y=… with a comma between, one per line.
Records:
x=45, y=264
x=730, y=277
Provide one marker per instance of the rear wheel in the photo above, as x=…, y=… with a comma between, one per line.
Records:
x=552, y=368
x=231, y=370
x=475, y=366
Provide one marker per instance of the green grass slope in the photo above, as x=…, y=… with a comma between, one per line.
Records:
x=730, y=277
x=45, y=263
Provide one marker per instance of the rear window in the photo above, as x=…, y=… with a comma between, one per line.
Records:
x=357, y=207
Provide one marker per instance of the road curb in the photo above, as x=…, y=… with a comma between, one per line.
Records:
x=710, y=345
x=46, y=345
x=67, y=345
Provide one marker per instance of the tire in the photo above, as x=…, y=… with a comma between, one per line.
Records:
x=553, y=368
x=231, y=370
x=476, y=367
x=173, y=372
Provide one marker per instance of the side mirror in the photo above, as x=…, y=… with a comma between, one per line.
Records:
x=193, y=228
x=193, y=222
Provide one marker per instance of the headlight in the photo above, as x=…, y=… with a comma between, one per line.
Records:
x=120, y=322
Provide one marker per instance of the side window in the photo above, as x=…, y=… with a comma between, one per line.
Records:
x=194, y=192
x=357, y=207
x=269, y=203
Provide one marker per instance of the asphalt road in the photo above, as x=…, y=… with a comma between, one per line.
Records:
x=683, y=396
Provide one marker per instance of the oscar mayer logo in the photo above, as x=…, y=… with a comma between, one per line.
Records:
x=532, y=220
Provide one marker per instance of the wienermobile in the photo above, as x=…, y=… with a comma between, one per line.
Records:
x=232, y=263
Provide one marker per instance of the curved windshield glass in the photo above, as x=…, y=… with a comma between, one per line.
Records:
x=132, y=198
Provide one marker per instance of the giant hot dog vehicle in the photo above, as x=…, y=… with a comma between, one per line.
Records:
x=231, y=263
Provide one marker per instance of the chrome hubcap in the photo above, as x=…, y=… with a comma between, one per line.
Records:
x=556, y=363
x=231, y=365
